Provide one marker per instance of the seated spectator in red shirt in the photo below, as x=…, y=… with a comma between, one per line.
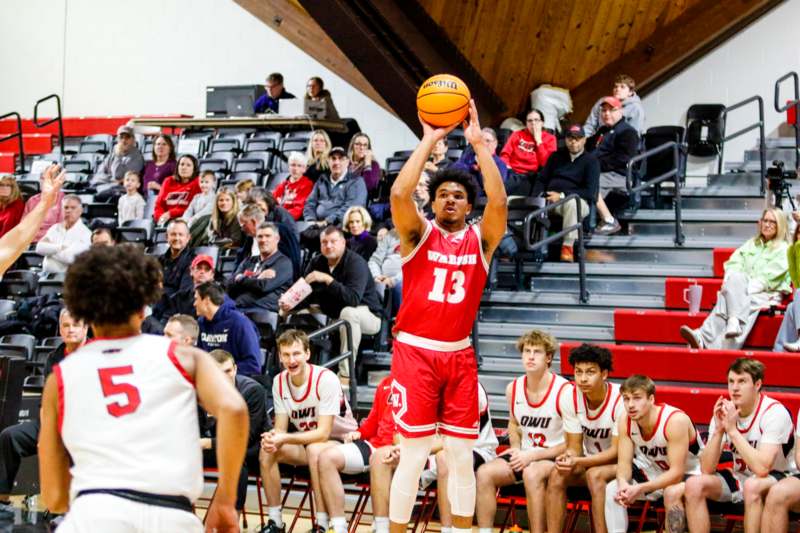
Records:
x=362, y=161
x=177, y=191
x=292, y=193
x=161, y=167
x=526, y=152
x=11, y=204
x=54, y=215
x=357, y=223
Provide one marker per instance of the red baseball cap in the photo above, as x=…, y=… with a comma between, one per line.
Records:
x=203, y=259
x=612, y=101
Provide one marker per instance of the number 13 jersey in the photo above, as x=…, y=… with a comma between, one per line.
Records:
x=443, y=280
x=128, y=418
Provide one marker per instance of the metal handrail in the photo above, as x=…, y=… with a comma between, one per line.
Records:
x=762, y=147
x=18, y=135
x=673, y=174
x=791, y=103
x=348, y=354
x=533, y=246
x=47, y=123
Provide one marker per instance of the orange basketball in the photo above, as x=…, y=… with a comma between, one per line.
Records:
x=443, y=100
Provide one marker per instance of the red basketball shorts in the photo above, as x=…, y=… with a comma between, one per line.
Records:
x=431, y=388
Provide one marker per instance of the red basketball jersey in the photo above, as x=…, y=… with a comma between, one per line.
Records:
x=443, y=280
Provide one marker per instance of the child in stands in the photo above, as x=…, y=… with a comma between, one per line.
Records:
x=131, y=204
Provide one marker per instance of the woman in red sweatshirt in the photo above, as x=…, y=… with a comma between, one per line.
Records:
x=11, y=204
x=526, y=153
x=177, y=191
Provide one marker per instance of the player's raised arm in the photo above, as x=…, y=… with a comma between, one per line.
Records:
x=13, y=243
x=408, y=221
x=53, y=458
x=495, y=214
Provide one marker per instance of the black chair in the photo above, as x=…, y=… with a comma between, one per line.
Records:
x=226, y=144
x=159, y=248
x=29, y=260
x=394, y=164
x=238, y=176
x=705, y=129
x=403, y=154
x=226, y=265
x=99, y=210
x=454, y=153
x=8, y=309
x=20, y=344
x=663, y=162
x=79, y=166
x=275, y=136
x=19, y=283
x=159, y=235
x=137, y=231
x=50, y=286
x=251, y=164
x=29, y=187
x=276, y=180
x=218, y=162
x=33, y=384
x=93, y=147
x=43, y=349
x=260, y=145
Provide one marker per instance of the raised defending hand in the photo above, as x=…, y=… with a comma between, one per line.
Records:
x=472, y=129
x=52, y=180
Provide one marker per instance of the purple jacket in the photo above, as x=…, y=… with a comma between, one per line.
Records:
x=158, y=174
x=371, y=175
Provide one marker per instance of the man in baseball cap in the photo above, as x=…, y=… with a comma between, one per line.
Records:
x=569, y=171
x=125, y=157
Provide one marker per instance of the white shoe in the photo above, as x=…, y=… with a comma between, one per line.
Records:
x=734, y=329
x=792, y=346
x=691, y=336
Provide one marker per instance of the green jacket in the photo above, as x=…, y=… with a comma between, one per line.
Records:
x=793, y=254
x=767, y=263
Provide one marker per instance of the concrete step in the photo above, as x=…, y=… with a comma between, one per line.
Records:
x=736, y=230
x=547, y=315
x=780, y=142
x=513, y=330
x=787, y=155
x=663, y=256
x=694, y=215
x=615, y=269
x=570, y=296
x=735, y=179
x=659, y=242
x=542, y=285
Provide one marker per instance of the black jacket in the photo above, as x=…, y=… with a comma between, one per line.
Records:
x=614, y=146
x=251, y=292
x=255, y=397
x=561, y=174
x=289, y=246
x=352, y=286
x=177, y=278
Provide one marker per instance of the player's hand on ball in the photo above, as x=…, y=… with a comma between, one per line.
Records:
x=434, y=133
x=222, y=519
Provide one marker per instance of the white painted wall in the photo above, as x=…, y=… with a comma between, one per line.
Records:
x=746, y=65
x=157, y=56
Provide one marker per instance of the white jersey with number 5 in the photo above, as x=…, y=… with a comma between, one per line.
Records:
x=541, y=424
x=128, y=418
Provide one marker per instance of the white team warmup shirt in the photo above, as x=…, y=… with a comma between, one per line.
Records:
x=598, y=426
x=128, y=417
x=486, y=445
x=542, y=424
x=650, y=451
x=769, y=423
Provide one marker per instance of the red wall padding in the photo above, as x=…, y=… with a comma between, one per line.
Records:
x=673, y=292
x=720, y=256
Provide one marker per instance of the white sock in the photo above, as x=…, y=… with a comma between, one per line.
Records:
x=484, y=530
x=275, y=515
x=609, y=220
x=339, y=524
x=322, y=520
x=381, y=524
x=461, y=529
x=447, y=529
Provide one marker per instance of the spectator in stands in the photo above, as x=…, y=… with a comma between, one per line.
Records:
x=224, y=327
x=177, y=191
x=438, y=158
x=182, y=329
x=363, y=162
x=369, y=444
x=385, y=265
x=526, y=152
x=131, y=204
x=316, y=92
x=357, y=222
x=224, y=229
x=469, y=163
x=614, y=144
x=182, y=301
x=625, y=91
x=317, y=421
x=254, y=395
x=570, y=171
x=20, y=440
x=103, y=236
x=272, y=211
x=161, y=166
x=65, y=240
x=343, y=288
x=123, y=158
x=789, y=333
x=250, y=218
x=333, y=195
x=275, y=91
x=292, y=193
x=319, y=148
x=203, y=202
x=756, y=277
x=11, y=204
x=54, y=214
x=242, y=188
x=175, y=262
x=260, y=279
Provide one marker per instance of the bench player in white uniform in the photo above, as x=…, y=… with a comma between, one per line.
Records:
x=658, y=447
x=484, y=451
x=310, y=398
x=123, y=409
x=784, y=496
x=591, y=456
x=538, y=401
x=758, y=431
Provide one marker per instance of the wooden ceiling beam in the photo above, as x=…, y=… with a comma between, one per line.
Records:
x=671, y=48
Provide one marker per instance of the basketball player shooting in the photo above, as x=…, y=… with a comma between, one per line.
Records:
x=13, y=243
x=434, y=371
x=123, y=410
